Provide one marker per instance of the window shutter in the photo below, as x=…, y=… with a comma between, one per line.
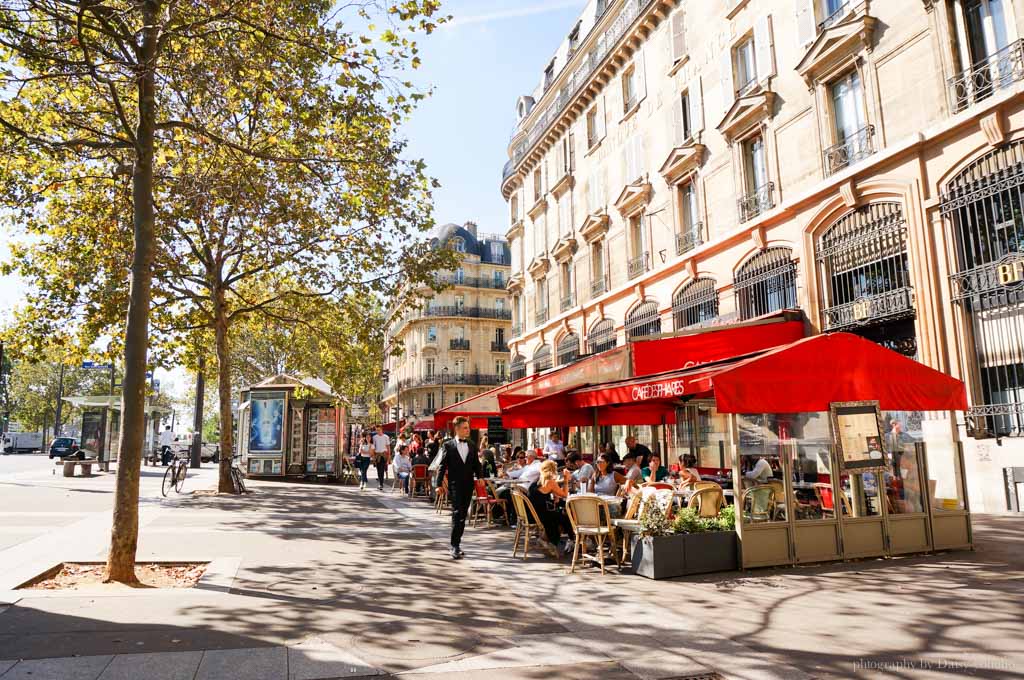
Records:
x=559, y=159
x=563, y=214
x=640, y=72
x=676, y=112
x=728, y=91
x=696, y=106
x=806, y=28
x=764, y=47
x=678, y=35
x=592, y=192
x=627, y=160
x=602, y=125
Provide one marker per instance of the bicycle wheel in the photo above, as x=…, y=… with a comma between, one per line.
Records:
x=179, y=480
x=236, y=481
x=168, y=482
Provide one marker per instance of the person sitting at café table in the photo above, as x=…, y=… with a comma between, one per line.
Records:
x=420, y=457
x=613, y=455
x=633, y=472
x=641, y=452
x=688, y=475
x=582, y=472
x=654, y=472
x=403, y=466
x=606, y=480
x=554, y=448
x=490, y=466
x=547, y=495
x=760, y=473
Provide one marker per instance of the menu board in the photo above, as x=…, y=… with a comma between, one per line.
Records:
x=321, y=433
x=858, y=435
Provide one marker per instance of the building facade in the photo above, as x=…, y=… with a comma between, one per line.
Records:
x=689, y=163
x=455, y=345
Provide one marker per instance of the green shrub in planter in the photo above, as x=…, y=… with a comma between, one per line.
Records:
x=690, y=545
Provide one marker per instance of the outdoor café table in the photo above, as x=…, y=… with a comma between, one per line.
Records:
x=614, y=502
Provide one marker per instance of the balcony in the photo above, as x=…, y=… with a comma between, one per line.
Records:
x=853, y=149
x=457, y=379
x=499, y=346
x=598, y=287
x=756, y=202
x=689, y=239
x=997, y=72
x=834, y=18
x=567, y=302
x=638, y=265
x=471, y=312
x=541, y=316
x=472, y=282
x=461, y=344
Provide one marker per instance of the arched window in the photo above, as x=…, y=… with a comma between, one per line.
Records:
x=542, y=359
x=568, y=349
x=766, y=283
x=643, y=320
x=601, y=337
x=458, y=244
x=985, y=206
x=517, y=369
x=695, y=303
x=865, y=282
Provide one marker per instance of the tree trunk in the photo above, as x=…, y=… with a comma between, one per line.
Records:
x=124, y=533
x=227, y=449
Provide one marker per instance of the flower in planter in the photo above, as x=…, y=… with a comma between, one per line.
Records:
x=653, y=520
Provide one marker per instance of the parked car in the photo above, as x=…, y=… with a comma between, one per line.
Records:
x=65, y=447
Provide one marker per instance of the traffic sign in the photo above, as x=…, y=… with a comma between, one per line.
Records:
x=94, y=364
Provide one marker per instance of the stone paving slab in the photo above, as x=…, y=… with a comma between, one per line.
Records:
x=6, y=665
x=268, y=663
x=315, y=658
x=68, y=668
x=523, y=651
x=157, y=666
x=606, y=670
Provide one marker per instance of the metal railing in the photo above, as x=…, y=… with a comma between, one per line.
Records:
x=499, y=346
x=541, y=316
x=870, y=309
x=567, y=301
x=853, y=149
x=981, y=80
x=606, y=44
x=472, y=312
x=756, y=202
x=689, y=239
x=456, y=379
x=459, y=343
x=472, y=281
x=598, y=286
x=638, y=265
x=835, y=17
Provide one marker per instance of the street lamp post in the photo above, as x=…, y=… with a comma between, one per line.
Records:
x=444, y=378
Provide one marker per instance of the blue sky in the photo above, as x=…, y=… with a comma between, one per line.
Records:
x=492, y=52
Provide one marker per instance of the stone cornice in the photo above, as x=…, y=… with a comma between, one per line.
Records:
x=538, y=209
x=681, y=161
x=833, y=46
x=515, y=231
x=564, y=249
x=539, y=266
x=632, y=197
x=747, y=111
x=594, y=227
x=564, y=183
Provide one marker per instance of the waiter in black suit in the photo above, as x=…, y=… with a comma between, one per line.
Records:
x=461, y=463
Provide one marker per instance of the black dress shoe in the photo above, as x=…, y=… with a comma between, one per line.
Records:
x=456, y=554
x=459, y=554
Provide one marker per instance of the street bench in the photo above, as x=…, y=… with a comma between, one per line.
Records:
x=69, y=466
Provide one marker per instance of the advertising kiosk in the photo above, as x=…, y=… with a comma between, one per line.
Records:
x=291, y=427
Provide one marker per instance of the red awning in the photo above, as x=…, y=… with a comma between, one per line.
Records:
x=802, y=376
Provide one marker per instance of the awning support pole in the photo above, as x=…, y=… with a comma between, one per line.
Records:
x=597, y=434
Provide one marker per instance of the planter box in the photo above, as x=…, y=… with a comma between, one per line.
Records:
x=684, y=554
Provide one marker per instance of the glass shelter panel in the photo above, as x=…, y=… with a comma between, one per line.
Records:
x=810, y=467
x=903, y=441
x=764, y=439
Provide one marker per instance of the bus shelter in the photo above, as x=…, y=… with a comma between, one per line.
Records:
x=101, y=425
x=291, y=427
x=861, y=441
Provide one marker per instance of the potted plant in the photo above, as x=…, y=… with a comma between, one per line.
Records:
x=689, y=544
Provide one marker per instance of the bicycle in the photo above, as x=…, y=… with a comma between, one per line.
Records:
x=174, y=476
x=237, y=483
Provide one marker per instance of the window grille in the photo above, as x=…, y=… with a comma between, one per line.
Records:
x=695, y=303
x=766, y=283
x=643, y=321
x=601, y=337
x=568, y=349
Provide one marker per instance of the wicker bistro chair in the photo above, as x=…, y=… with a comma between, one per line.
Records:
x=484, y=503
x=628, y=524
x=761, y=502
x=527, y=522
x=590, y=518
x=826, y=500
x=707, y=501
x=420, y=481
x=697, y=486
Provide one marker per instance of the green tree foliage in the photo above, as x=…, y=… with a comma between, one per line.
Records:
x=35, y=388
x=248, y=141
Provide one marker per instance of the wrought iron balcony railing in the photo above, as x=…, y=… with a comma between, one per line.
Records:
x=567, y=302
x=756, y=202
x=638, y=265
x=541, y=316
x=598, y=286
x=451, y=379
x=853, y=149
x=459, y=343
x=996, y=72
x=689, y=239
x=835, y=17
x=870, y=309
x=499, y=346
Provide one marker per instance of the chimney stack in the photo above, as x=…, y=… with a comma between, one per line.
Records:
x=471, y=228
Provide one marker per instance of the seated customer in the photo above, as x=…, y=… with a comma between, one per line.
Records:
x=654, y=472
x=490, y=466
x=403, y=466
x=582, y=472
x=607, y=480
x=633, y=472
x=760, y=473
x=421, y=457
x=688, y=475
x=546, y=495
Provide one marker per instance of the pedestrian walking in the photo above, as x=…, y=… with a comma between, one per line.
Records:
x=381, y=454
x=364, y=455
x=460, y=461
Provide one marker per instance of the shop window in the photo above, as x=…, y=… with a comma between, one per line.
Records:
x=643, y=321
x=517, y=369
x=695, y=303
x=764, y=438
x=766, y=283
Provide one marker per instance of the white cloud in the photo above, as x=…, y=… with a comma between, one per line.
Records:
x=516, y=13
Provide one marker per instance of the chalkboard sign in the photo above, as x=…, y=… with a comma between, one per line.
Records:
x=496, y=432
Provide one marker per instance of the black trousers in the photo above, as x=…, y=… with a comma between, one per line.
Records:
x=460, y=499
x=382, y=470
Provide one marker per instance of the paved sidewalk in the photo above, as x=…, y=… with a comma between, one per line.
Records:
x=331, y=582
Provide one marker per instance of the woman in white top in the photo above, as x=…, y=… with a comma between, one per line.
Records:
x=403, y=467
x=689, y=475
x=363, y=457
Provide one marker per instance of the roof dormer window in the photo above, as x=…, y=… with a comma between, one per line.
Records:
x=549, y=75
x=574, y=38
